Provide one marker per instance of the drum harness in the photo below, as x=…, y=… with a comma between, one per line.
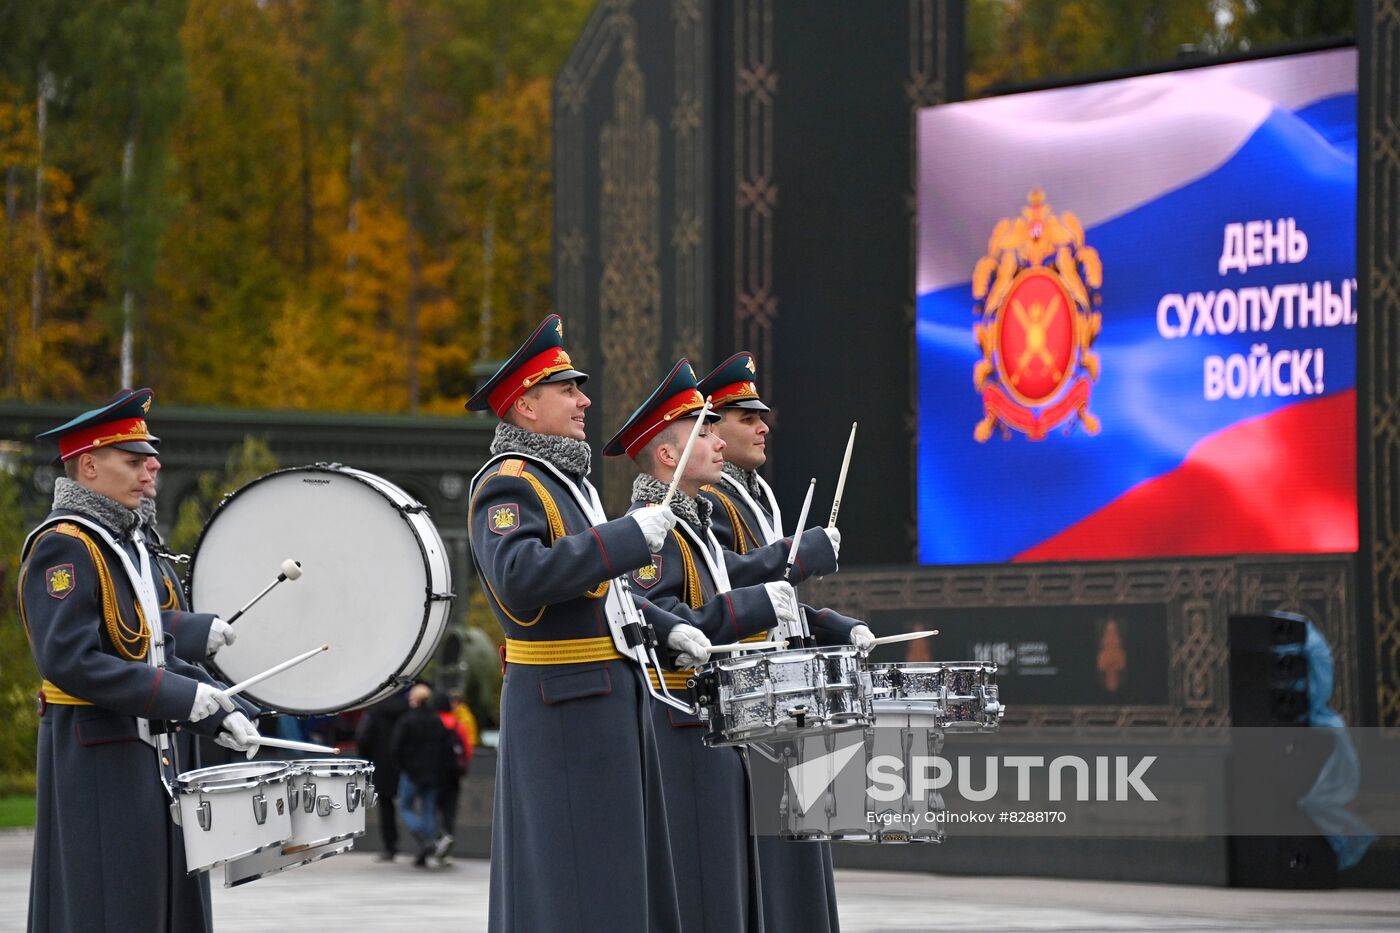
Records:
x=632, y=635
x=143, y=584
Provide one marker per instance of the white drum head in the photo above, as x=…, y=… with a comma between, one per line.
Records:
x=374, y=587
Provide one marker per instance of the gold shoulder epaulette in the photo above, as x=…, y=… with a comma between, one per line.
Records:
x=68, y=528
x=512, y=467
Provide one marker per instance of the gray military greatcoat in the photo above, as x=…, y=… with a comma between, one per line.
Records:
x=578, y=840
x=107, y=856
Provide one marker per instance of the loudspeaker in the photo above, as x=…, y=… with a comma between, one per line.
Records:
x=1268, y=672
x=1269, y=688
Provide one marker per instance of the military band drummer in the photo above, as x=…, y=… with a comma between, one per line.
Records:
x=707, y=796
x=104, y=840
x=578, y=833
x=799, y=890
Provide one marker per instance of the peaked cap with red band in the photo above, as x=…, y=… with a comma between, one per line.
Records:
x=540, y=359
x=732, y=385
x=119, y=423
x=677, y=397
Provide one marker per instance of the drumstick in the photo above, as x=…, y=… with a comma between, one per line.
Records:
x=291, y=570
x=271, y=671
x=904, y=636
x=746, y=646
x=841, y=480
x=797, y=533
x=295, y=746
x=685, y=454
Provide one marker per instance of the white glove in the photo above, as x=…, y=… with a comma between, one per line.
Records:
x=862, y=638
x=834, y=534
x=691, y=643
x=238, y=734
x=220, y=634
x=655, y=522
x=785, y=608
x=207, y=701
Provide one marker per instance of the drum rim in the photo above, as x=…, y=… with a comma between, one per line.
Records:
x=331, y=767
x=986, y=666
x=397, y=679
x=747, y=659
x=265, y=772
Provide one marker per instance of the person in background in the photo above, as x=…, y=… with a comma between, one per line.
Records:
x=372, y=738
x=467, y=718
x=455, y=766
x=421, y=748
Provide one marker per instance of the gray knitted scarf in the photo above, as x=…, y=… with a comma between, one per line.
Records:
x=76, y=497
x=749, y=480
x=566, y=453
x=649, y=489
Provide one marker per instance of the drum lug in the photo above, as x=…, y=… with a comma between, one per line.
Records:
x=308, y=796
x=260, y=809
x=324, y=805
x=371, y=795
x=175, y=812
x=440, y=597
x=206, y=815
x=353, y=797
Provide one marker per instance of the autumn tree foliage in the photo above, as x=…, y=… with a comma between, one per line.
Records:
x=326, y=204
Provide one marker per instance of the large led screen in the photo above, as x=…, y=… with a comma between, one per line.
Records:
x=1136, y=317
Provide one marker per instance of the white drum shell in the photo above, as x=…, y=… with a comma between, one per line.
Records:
x=328, y=799
x=376, y=586
x=220, y=808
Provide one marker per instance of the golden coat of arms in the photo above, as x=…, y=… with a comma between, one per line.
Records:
x=1037, y=292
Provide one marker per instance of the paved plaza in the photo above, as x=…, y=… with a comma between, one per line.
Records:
x=354, y=892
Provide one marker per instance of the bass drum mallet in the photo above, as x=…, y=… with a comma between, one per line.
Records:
x=291, y=570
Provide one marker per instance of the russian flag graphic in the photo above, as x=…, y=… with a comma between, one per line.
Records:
x=1222, y=204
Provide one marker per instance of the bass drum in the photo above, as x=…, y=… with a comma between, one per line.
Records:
x=376, y=586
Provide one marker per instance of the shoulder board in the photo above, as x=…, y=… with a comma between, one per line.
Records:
x=68, y=528
x=512, y=467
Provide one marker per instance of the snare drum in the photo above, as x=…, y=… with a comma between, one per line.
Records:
x=955, y=696
x=376, y=586
x=328, y=799
x=784, y=694
x=231, y=811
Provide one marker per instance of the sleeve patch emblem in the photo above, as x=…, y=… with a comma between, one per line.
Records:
x=647, y=577
x=504, y=519
x=60, y=580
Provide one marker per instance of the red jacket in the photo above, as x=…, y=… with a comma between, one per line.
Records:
x=461, y=740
